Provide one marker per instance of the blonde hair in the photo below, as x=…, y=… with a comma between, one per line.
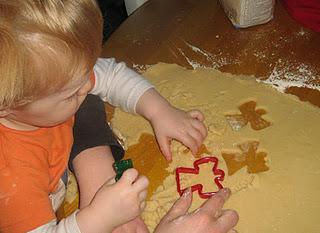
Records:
x=44, y=44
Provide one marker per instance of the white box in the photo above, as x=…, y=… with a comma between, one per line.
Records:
x=246, y=13
x=132, y=5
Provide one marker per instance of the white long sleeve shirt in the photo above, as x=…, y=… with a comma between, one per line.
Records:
x=118, y=85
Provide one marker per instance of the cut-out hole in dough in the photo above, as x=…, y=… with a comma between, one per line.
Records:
x=255, y=161
x=249, y=114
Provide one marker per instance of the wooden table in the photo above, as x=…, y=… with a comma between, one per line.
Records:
x=196, y=33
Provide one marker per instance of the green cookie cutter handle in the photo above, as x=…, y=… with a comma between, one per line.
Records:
x=121, y=166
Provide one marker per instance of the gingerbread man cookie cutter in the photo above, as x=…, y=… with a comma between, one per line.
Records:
x=218, y=176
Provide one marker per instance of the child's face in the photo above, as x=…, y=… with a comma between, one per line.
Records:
x=53, y=109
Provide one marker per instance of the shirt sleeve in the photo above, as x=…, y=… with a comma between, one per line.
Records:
x=66, y=225
x=118, y=85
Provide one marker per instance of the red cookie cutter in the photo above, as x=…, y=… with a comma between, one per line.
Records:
x=218, y=174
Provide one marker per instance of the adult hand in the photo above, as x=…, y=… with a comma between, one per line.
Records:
x=209, y=218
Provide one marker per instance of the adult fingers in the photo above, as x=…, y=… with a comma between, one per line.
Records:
x=227, y=221
x=214, y=205
x=196, y=114
x=180, y=207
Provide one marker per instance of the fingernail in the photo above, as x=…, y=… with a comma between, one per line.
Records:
x=226, y=191
x=217, y=214
x=186, y=193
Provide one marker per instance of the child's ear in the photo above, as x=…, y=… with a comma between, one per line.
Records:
x=4, y=112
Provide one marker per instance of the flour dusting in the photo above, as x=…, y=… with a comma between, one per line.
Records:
x=191, y=62
x=215, y=60
x=285, y=75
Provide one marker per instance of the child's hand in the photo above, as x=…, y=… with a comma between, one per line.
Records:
x=117, y=203
x=186, y=127
x=134, y=226
x=170, y=123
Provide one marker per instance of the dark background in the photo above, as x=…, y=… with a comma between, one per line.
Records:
x=114, y=13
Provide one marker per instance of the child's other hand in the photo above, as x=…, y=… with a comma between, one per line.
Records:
x=117, y=203
x=186, y=127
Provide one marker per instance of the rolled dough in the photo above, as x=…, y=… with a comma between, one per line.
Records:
x=283, y=196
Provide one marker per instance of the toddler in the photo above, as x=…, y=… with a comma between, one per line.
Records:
x=49, y=64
